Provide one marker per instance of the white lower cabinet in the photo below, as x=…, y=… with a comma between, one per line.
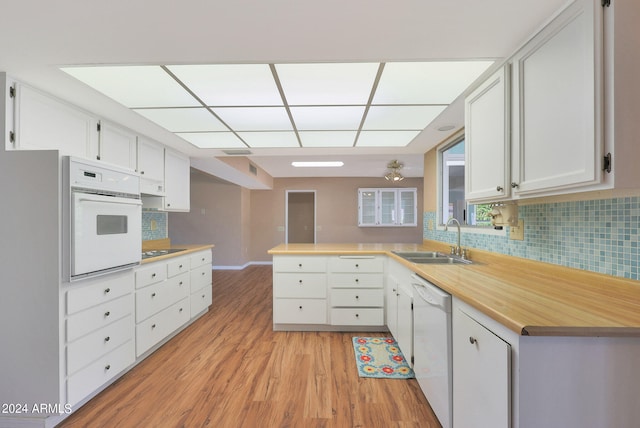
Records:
x=399, y=307
x=169, y=294
x=482, y=375
x=99, y=333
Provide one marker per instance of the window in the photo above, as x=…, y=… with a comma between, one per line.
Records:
x=453, y=204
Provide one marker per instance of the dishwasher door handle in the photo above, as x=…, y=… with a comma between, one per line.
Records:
x=421, y=290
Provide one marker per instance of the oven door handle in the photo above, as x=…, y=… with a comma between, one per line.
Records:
x=109, y=199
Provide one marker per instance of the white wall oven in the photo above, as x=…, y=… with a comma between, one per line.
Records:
x=105, y=218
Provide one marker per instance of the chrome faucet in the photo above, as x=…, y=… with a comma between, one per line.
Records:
x=458, y=249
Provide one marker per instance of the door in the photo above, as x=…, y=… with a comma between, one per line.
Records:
x=301, y=217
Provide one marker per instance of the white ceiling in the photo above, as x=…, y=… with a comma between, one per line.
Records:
x=40, y=37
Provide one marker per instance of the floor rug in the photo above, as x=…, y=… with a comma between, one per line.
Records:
x=380, y=357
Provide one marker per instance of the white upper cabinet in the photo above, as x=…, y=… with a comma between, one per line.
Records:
x=536, y=127
x=116, y=146
x=557, y=94
x=42, y=122
x=151, y=167
x=387, y=207
x=487, y=139
x=177, y=181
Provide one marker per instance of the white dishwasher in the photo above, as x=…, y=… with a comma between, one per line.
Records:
x=432, y=346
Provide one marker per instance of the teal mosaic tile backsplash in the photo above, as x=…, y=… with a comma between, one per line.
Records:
x=598, y=235
x=154, y=225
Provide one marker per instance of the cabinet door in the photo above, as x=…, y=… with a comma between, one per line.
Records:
x=176, y=181
x=557, y=104
x=405, y=323
x=387, y=201
x=150, y=160
x=367, y=207
x=391, y=305
x=117, y=146
x=407, y=207
x=43, y=122
x=487, y=140
x=482, y=376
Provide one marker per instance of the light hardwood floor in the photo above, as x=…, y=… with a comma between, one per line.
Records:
x=229, y=369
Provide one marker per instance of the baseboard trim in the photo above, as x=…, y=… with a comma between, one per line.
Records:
x=240, y=267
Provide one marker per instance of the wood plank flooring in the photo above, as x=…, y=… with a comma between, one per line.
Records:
x=229, y=369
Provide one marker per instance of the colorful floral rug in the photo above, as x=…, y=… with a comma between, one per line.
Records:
x=380, y=357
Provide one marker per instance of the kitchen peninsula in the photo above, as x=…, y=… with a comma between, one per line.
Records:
x=572, y=337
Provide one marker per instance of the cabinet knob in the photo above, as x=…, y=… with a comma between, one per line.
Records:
x=299, y=265
x=300, y=281
x=357, y=280
x=106, y=314
x=357, y=297
x=153, y=275
x=141, y=172
x=357, y=265
x=153, y=326
x=180, y=310
x=107, y=367
x=180, y=283
x=300, y=307
x=107, y=290
x=472, y=340
x=499, y=188
x=180, y=266
x=153, y=294
x=106, y=339
x=514, y=185
x=203, y=296
x=357, y=315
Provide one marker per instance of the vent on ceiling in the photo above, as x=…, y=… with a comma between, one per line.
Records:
x=237, y=152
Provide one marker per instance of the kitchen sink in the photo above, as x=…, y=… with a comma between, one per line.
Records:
x=431, y=257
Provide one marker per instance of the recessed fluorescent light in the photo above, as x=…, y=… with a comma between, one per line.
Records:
x=317, y=164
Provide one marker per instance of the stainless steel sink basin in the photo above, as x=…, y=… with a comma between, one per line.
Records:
x=430, y=257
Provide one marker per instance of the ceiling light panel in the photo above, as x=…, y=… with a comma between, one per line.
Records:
x=230, y=85
x=327, y=138
x=327, y=83
x=255, y=118
x=426, y=82
x=183, y=119
x=270, y=139
x=212, y=140
x=346, y=118
x=401, y=117
x=135, y=86
x=386, y=138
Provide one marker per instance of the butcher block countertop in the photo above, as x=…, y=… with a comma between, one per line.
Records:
x=529, y=297
x=165, y=244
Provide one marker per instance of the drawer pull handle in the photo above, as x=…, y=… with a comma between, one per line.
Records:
x=300, y=265
x=153, y=326
x=107, y=367
x=107, y=290
x=357, y=265
x=357, y=297
x=106, y=314
x=357, y=280
x=153, y=294
x=106, y=339
x=473, y=340
x=357, y=315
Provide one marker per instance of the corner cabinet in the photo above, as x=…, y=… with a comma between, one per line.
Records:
x=387, y=207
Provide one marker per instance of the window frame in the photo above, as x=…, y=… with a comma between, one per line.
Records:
x=440, y=149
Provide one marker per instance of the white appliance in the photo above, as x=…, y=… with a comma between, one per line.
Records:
x=432, y=347
x=105, y=218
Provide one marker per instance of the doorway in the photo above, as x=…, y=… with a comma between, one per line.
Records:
x=300, y=216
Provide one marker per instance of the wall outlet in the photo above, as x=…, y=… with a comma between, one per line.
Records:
x=153, y=225
x=430, y=225
x=517, y=232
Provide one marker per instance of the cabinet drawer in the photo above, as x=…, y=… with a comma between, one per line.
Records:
x=357, y=316
x=353, y=280
x=200, y=277
x=201, y=300
x=201, y=258
x=99, y=291
x=148, y=275
x=157, y=297
x=371, y=264
x=99, y=316
x=89, y=348
x=178, y=266
x=304, y=285
x=300, y=311
x=93, y=376
x=159, y=326
x=299, y=264
x=359, y=298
